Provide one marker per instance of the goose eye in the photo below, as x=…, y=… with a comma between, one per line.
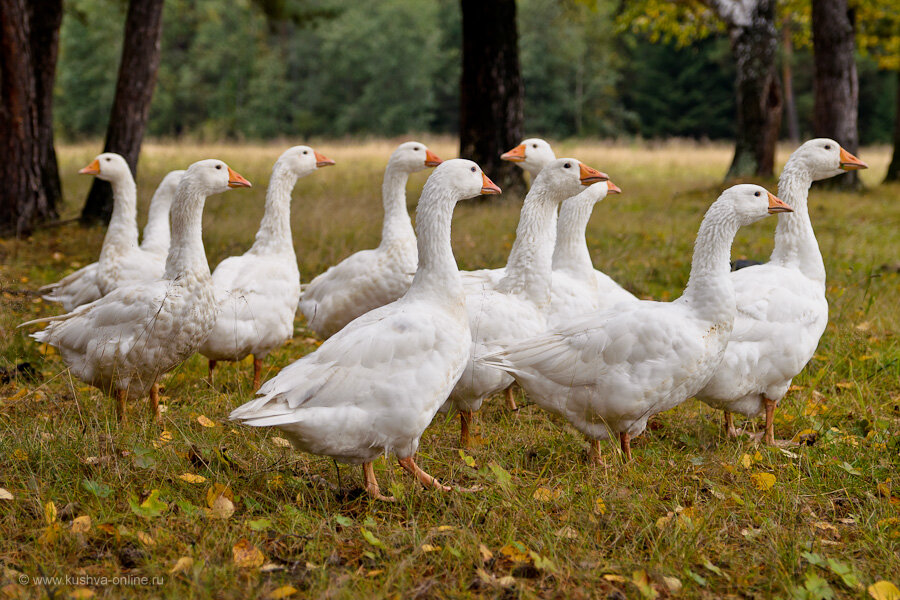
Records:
x=306, y=152
x=473, y=169
x=756, y=194
x=416, y=149
x=218, y=166
x=568, y=165
x=828, y=146
x=108, y=159
x=534, y=145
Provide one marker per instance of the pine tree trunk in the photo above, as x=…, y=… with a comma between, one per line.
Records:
x=759, y=101
x=787, y=81
x=835, y=82
x=131, y=106
x=46, y=18
x=893, y=172
x=23, y=201
x=491, y=89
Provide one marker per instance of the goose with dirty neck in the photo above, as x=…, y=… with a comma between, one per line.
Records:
x=373, y=387
x=782, y=310
x=607, y=372
x=258, y=292
x=372, y=278
x=516, y=308
x=125, y=341
x=157, y=232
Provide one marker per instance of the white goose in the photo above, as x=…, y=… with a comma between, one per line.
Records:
x=608, y=372
x=259, y=290
x=373, y=388
x=516, y=308
x=781, y=305
x=372, y=278
x=121, y=259
x=125, y=341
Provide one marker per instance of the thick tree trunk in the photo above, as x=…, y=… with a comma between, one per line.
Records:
x=131, y=106
x=23, y=201
x=46, y=18
x=491, y=89
x=754, y=42
x=787, y=82
x=893, y=172
x=835, y=82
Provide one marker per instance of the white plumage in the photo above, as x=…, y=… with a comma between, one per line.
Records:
x=258, y=291
x=373, y=388
x=372, y=278
x=781, y=306
x=608, y=372
x=127, y=339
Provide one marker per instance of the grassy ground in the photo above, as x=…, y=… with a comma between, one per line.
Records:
x=694, y=515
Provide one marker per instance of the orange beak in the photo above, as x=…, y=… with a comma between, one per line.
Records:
x=91, y=169
x=850, y=162
x=591, y=176
x=517, y=154
x=612, y=188
x=322, y=160
x=488, y=186
x=431, y=159
x=236, y=180
x=776, y=205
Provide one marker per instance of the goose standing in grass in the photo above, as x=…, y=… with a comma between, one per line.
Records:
x=517, y=307
x=608, y=372
x=125, y=341
x=121, y=259
x=781, y=306
x=373, y=387
x=259, y=290
x=372, y=278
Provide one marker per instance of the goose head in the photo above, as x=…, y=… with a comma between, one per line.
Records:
x=212, y=176
x=825, y=158
x=464, y=178
x=413, y=156
x=750, y=203
x=302, y=160
x=532, y=155
x=108, y=166
x=566, y=177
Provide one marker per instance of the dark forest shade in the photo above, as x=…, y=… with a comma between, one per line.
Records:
x=835, y=84
x=759, y=101
x=491, y=91
x=26, y=140
x=131, y=106
x=893, y=172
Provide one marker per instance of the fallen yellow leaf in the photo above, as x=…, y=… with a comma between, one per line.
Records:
x=5, y=494
x=81, y=524
x=205, y=421
x=282, y=592
x=217, y=490
x=182, y=565
x=486, y=554
x=81, y=593
x=246, y=555
x=884, y=590
x=192, y=478
x=430, y=548
x=280, y=441
x=614, y=578
x=763, y=481
x=546, y=495
x=599, y=506
x=516, y=552
x=884, y=488
x=222, y=508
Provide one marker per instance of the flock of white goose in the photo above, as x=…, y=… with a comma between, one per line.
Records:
x=409, y=335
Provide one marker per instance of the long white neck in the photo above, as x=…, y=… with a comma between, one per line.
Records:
x=274, y=235
x=437, y=273
x=528, y=269
x=156, y=233
x=122, y=233
x=571, y=251
x=186, y=252
x=709, y=291
x=397, y=227
x=795, y=241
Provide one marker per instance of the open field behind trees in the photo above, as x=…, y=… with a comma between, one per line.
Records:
x=693, y=510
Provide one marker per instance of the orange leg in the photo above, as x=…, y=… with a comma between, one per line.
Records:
x=465, y=420
x=770, y=421
x=595, y=456
x=730, y=431
x=257, y=372
x=625, y=442
x=209, y=378
x=121, y=417
x=371, y=484
x=154, y=402
x=511, y=400
x=424, y=478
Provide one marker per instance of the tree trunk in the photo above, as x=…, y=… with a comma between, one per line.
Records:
x=23, y=201
x=131, y=106
x=754, y=44
x=787, y=82
x=893, y=172
x=46, y=18
x=835, y=82
x=491, y=89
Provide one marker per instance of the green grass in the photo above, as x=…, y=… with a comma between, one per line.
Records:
x=546, y=524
